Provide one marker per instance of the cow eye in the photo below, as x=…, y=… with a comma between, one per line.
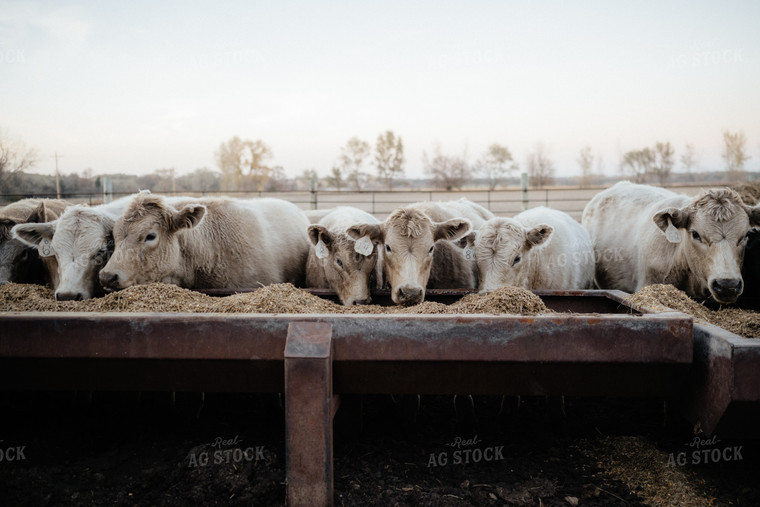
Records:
x=387, y=248
x=150, y=237
x=695, y=235
x=339, y=263
x=431, y=249
x=517, y=259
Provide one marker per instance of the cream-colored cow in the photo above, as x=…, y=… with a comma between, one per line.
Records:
x=644, y=235
x=337, y=261
x=208, y=243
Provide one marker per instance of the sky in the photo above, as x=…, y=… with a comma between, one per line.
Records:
x=138, y=86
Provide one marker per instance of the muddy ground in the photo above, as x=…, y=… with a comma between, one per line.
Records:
x=130, y=449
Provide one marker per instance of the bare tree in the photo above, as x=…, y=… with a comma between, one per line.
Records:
x=242, y=164
x=540, y=167
x=689, y=158
x=586, y=163
x=278, y=180
x=15, y=157
x=494, y=166
x=309, y=179
x=335, y=179
x=352, y=158
x=637, y=164
x=447, y=171
x=389, y=158
x=664, y=160
x=734, y=154
x=202, y=179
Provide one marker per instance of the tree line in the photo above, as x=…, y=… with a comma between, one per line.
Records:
x=245, y=165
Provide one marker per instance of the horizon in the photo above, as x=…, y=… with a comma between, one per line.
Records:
x=132, y=89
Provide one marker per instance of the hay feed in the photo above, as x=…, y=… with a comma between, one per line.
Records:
x=659, y=297
x=277, y=298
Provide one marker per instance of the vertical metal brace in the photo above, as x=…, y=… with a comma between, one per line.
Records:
x=309, y=409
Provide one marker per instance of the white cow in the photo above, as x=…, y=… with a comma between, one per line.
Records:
x=540, y=248
x=644, y=235
x=420, y=250
x=81, y=241
x=337, y=261
x=208, y=243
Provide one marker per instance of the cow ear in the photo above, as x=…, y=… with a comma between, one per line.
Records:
x=319, y=232
x=754, y=216
x=188, y=217
x=451, y=230
x=34, y=234
x=538, y=235
x=670, y=220
x=678, y=217
x=39, y=215
x=373, y=231
x=466, y=241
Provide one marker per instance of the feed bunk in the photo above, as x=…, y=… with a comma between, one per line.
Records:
x=604, y=348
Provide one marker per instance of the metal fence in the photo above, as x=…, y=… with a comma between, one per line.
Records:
x=506, y=202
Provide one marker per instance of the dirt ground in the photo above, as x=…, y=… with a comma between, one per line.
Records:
x=130, y=449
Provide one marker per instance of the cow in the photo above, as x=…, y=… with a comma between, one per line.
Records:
x=540, y=248
x=208, y=243
x=80, y=242
x=419, y=250
x=337, y=261
x=644, y=235
x=20, y=262
x=751, y=265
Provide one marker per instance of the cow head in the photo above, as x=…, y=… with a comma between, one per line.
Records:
x=408, y=237
x=19, y=261
x=502, y=249
x=146, y=247
x=348, y=265
x=711, y=232
x=79, y=243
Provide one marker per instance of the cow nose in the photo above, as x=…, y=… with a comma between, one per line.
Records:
x=69, y=296
x=108, y=279
x=727, y=289
x=364, y=301
x=409, y=295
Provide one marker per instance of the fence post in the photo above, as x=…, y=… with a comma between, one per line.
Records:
x=313, y=194
x=107, y=190
x=524, y=188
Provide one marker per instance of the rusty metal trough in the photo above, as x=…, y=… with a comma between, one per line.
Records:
x=725, y=374
x=605, y=348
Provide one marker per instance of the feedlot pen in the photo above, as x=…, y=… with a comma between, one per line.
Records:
x=599, y=346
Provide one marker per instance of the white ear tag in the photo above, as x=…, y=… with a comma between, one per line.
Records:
x=469, y=253
x=672, y=233
x=321, y=250
x=45, y=248
x=364, y=246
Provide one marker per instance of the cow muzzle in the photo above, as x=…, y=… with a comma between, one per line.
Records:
x=726, y=290
x=408, y=295
x=109, y=280
x=69, y=296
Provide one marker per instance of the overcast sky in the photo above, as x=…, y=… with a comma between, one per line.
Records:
x=138, y=86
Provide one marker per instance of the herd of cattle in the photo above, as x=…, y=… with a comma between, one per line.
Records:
x=630, y=236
